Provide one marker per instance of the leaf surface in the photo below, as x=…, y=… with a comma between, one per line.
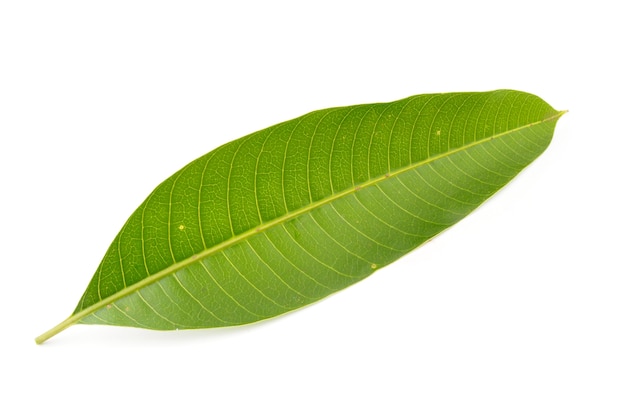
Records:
x=290, y=214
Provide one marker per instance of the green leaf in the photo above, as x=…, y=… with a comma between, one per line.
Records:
x=288, y=215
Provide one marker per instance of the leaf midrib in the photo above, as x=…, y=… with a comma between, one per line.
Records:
x=151, y=279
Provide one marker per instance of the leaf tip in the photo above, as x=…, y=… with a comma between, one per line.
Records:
x=556, y=115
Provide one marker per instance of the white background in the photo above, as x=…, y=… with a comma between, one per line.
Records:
x=519, y=310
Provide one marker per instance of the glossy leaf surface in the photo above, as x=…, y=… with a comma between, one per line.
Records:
x=288, y=215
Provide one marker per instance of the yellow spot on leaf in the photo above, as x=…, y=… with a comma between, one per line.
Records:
x=181, y=227
x=374, y=266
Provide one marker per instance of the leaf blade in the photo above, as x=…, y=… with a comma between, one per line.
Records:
x=380, y=180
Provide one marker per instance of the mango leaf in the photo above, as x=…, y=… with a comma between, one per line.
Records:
x=288, y=215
